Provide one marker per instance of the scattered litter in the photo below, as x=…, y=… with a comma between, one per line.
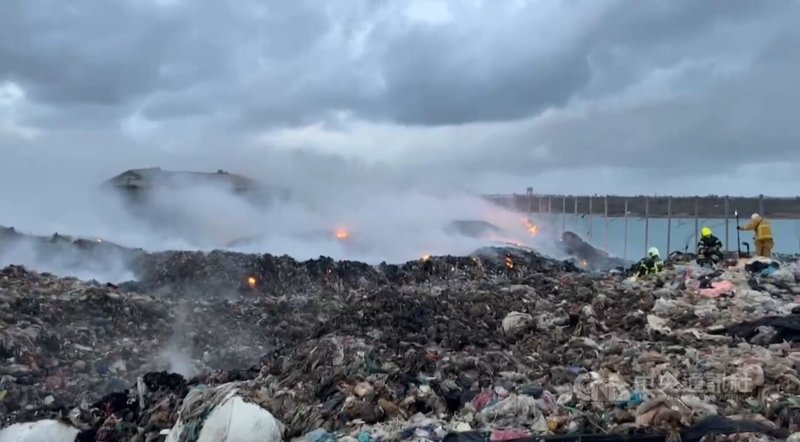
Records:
x=456, y=349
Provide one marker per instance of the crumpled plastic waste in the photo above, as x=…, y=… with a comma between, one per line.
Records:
x=47, y=430
x=515, y=322
x=324, y=350
x=219, y=414
x=717, y=289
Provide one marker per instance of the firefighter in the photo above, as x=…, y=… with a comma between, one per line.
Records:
x=709, y=248
x=651, y=264
x=763, y=234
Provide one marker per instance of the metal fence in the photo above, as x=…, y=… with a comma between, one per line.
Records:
x=619, y=224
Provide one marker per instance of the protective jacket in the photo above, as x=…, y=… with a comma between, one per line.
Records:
x=709, y=248
x=649, y=265
x=762, y=229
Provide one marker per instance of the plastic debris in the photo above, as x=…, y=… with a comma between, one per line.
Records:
x=462, y=349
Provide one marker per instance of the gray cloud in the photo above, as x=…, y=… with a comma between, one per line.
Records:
x=516, y=88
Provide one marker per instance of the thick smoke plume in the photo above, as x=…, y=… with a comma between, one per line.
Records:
x=381, y=216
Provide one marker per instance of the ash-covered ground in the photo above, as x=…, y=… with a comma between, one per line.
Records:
x=501, y=345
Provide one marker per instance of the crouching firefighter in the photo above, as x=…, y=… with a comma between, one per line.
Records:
x=763, y=234
x=709, y=249
x=649, y=265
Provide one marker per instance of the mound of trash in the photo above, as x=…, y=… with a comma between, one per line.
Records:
x=504, y=345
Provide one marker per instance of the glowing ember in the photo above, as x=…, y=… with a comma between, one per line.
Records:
x=251, y=281
x=342, y=234
x=509, y=262
x=533, y=229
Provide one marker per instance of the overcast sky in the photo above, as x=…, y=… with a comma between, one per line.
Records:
x=579, y=96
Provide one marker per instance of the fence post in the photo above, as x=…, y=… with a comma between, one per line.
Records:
x=696, y=218
x=563, y=214
x=646, y=224
x=530, y=204
x=575, y=215
x=625, y=233
x=591, y=220
x=669, y=223
x=605, y=217
x=727, y=220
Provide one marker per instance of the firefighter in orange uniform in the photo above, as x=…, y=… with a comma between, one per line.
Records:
x=763, y=234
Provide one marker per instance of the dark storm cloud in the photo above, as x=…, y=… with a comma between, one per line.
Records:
x=81, y=51
x=287, y=62
x=646, y=84
x=501, y=66
x=108, y=53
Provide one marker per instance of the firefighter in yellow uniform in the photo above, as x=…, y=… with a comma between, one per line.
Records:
x=763, y=232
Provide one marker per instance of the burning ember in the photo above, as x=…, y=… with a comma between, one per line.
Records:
x=342, y=234
x=509, y=262
x=251, y=281
x=533, y=229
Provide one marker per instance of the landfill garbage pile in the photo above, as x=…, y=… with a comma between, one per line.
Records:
x=197, y=273
x=499, y=346
x=588, y=256
x=65, y=253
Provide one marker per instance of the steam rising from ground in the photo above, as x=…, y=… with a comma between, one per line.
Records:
x=392, y=226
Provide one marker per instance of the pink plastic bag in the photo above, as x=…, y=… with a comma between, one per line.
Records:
x=505, y=435
x=717, y=289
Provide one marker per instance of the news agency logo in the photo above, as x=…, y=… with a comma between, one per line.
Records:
x=591, y=387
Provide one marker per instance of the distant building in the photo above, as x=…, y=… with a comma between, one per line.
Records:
x=155, y=176
x=136, y=183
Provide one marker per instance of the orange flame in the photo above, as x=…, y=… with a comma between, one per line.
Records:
x=251, y=281
x=426, y=258
x=533, y=229
x=342, y=234
x=509, y=262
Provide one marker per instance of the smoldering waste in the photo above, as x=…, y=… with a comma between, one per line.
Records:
x=502, y=345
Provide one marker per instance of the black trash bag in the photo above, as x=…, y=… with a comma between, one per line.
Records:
x=467, y=436
x=723, y=425
x=787, y=327
x=758, y=266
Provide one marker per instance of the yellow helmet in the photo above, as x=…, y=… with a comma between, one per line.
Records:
x=706, y=232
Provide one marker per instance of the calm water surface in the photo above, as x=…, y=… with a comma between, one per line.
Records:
x=610, y=234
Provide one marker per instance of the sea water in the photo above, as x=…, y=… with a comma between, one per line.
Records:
x=610, y=233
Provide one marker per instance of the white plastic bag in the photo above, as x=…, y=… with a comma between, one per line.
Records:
x=231, y=419
x=47, y=430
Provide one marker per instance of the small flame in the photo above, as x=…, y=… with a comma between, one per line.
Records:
x=251, y=281
x=426, y=258
x=509, y=262
x=584, y=263
x=342, y=234
x=533, y=229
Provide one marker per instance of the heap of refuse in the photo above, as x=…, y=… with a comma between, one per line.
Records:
x=502, y=345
